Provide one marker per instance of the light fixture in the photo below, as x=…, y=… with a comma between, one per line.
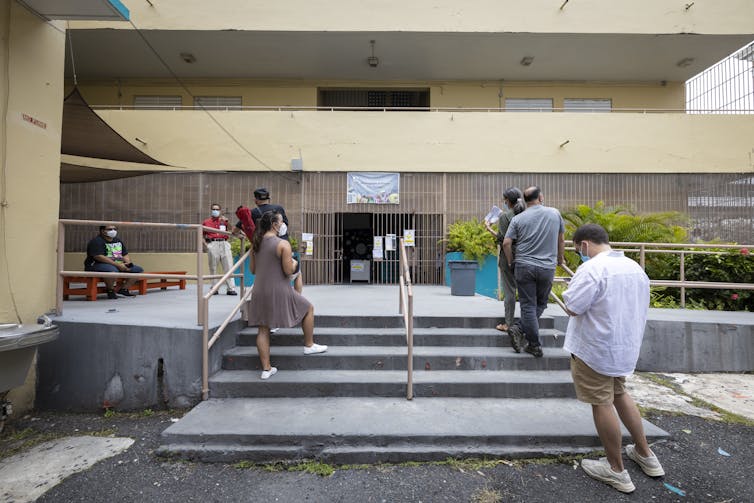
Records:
x=187, y=57
x=527, y=60
x=684, y=62
x=373, y=60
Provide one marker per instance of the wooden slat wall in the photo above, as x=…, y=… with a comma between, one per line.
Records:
x=721, y=208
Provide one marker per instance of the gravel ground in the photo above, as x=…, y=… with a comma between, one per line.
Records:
x=691, y=460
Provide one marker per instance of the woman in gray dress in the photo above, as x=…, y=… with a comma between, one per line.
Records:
x=273, y=302
x=513, y=199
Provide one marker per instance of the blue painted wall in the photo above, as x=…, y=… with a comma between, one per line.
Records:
x=486, y=276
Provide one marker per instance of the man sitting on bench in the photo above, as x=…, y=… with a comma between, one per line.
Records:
x=107, y=253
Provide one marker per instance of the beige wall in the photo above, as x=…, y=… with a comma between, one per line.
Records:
x=443, y=141
x=443, y=94
x=31, y=83
x=533, y=16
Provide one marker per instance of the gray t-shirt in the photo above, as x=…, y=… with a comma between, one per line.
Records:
x=535, y=232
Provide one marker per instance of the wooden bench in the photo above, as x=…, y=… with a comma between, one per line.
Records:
x=91, y=285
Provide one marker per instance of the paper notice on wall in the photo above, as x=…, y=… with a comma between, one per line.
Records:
x=310, y=248
x=307, y=236
x=409, y=236
x=377, y=248
x=390, y=242
x=494, y=215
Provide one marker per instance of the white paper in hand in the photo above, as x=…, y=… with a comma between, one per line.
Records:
x=494, y=215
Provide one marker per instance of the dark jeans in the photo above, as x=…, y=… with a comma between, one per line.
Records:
x=534, y=285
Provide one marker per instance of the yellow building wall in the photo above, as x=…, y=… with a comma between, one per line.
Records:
x=442, y=141
x=532, y=16
x=444, y=94
x=31, y=83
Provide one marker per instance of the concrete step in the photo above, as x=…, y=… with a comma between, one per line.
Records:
x=372, y=430
x=392, y=383
x=350, y=336
x=395, y=358
x=394, y=321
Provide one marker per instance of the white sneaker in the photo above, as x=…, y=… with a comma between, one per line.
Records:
x=600, y=470
x=266, y=374
x=314, y=349
x=649, y=465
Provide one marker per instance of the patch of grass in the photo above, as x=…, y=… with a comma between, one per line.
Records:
x=147, y=413
x=110, y=413
x=726, y=416
x=313, y=467
x=356, y=467
x=486, y=495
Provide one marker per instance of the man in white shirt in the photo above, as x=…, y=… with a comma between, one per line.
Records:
x=608, y=299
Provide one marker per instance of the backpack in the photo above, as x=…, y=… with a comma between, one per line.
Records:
x=247, y=224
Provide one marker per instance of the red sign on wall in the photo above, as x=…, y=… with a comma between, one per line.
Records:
x=36, y=122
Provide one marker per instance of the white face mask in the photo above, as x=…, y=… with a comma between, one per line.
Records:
x=215, y=213
x=111, y=234
x=283, y=230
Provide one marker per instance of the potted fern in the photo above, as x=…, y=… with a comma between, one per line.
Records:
x=472, y=251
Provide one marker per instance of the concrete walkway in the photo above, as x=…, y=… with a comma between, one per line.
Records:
x=177, y=308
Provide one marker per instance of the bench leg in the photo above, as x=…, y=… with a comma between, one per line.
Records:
x=91, y=288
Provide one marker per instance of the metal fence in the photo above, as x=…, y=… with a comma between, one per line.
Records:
x=726, y=87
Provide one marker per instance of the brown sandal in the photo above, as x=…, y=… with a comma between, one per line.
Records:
x=502, y=327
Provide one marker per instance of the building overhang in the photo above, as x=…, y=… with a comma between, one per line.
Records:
x=407, y=56
x=80, y=10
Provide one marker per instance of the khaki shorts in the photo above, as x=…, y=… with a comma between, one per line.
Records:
x=592, y=387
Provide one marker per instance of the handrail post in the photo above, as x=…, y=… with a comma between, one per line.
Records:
x=60, y=260
x=205, y=349
x=199, y=275
x=683, y=279
x=642, y=256
x=410, y=363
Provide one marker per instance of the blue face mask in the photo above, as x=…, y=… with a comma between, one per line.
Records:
x=584, y=257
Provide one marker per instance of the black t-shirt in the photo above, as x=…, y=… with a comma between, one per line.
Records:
x=257, y=213
x=114, y=249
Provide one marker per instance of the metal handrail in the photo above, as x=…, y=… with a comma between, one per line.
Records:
x=286, y=108
x=406, y=308
x=199, y=277
x=681, y=249
x=208, y=342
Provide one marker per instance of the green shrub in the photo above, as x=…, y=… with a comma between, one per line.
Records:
x=471, y=238
x=235, y=246
x=729, y=266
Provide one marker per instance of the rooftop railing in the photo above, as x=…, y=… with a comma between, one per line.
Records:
x=291, y=108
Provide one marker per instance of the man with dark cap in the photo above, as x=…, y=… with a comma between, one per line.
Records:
x=262, y=200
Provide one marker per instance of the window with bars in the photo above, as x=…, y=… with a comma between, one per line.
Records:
x=375, y=98
x=528, y=104
x=587, y=105
x=157, y=101
x=218, y=102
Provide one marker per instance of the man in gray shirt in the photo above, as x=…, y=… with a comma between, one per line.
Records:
x=538, y=234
